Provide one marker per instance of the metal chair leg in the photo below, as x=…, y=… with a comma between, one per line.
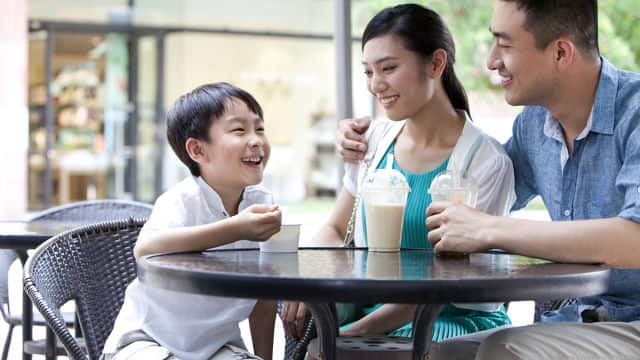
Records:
x=425, y=316
x=7, y=342
x=50, y=347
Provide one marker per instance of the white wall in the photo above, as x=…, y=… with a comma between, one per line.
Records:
x=13, y=109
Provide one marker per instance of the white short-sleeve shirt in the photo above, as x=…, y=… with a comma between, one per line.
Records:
x=189, y=326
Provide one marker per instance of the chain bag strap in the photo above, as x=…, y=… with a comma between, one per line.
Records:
x=349, y=238
x=378, y=147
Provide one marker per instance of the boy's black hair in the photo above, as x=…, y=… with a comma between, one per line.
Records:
x=193, y=113
x=549, y=19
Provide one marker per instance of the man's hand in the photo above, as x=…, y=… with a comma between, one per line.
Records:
x=457, y=228
x=259, y=222
x=350, y=143
x=293, y=315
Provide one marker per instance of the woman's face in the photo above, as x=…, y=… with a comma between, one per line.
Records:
x=397, y=77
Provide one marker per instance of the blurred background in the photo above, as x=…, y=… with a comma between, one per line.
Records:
x=85, y=85
x=83, y=115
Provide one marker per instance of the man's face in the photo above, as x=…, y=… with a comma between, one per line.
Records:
x=527, y=73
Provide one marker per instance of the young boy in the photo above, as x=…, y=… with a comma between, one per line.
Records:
x=217, y=131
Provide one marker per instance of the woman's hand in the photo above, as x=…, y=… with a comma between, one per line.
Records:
x=293, y=316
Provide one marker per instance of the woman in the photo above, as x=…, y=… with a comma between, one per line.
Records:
x=408, y=56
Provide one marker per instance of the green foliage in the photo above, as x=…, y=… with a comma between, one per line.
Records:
x=468, y=20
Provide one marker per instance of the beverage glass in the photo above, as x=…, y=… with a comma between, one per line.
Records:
x=451, y=187
x=385, y=196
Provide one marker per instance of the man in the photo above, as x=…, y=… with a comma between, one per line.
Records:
x=577, y=145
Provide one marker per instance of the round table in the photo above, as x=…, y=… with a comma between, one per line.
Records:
x=323, y=276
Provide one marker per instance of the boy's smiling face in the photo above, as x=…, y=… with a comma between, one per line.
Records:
x=237, y=150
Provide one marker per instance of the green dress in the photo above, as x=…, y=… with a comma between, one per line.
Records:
x=452, y=321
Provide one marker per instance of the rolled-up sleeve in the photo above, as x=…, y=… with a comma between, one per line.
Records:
x=628, y=179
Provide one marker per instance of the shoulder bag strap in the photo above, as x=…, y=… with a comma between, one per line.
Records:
x=372, y=158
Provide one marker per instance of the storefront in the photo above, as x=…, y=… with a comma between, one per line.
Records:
x=102, y=76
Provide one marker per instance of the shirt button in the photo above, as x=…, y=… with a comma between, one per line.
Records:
x=567, y=212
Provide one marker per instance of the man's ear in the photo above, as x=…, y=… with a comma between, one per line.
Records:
x=437, y=64
x=565, y=52
x=195, y=150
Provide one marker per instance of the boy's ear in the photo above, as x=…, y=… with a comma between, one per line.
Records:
x=195, y=150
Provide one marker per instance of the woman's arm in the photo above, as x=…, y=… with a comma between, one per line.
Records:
x=385, y=319
x=333, y=231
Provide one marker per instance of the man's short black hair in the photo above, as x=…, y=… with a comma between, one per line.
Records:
x=193, y=113
x=549, y=19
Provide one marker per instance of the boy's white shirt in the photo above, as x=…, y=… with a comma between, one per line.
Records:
x=489, y=166
x=189, y=326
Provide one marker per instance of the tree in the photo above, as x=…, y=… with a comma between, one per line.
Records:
x=468, y=21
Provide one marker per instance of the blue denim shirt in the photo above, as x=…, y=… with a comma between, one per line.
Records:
x=600, y=179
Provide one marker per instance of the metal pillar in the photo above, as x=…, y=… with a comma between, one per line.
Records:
x=342, y=41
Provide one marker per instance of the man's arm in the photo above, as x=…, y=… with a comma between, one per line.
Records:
x=612, y=241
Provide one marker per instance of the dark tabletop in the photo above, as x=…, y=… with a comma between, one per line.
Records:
x=356, y=275
x=21, y=235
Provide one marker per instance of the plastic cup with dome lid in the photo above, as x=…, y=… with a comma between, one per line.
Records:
x=453, y=187
x=385, y=196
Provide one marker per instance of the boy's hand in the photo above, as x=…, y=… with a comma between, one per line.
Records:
x=259, y=222
x=350, y=143
x=293, y=316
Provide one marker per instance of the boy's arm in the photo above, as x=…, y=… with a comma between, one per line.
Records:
x=262, y=323
x=257, y=222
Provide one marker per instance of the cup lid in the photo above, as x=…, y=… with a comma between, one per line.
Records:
x=387, y=178
x=450, y=180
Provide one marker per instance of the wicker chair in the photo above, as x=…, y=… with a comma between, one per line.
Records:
x=85, y=212
x=91, y=265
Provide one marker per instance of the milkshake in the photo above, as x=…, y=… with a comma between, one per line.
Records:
x=451, y=186
x=385, y=196
x=384, y=226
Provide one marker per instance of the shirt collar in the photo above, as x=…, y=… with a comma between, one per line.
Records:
x=213, y=199
x=553, y=129
x=603, y=110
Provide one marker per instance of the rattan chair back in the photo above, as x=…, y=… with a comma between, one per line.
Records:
x=91, y=265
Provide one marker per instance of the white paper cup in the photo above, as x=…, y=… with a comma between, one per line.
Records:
x=284, y=241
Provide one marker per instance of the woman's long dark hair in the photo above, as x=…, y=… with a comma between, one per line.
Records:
x=423, y=32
